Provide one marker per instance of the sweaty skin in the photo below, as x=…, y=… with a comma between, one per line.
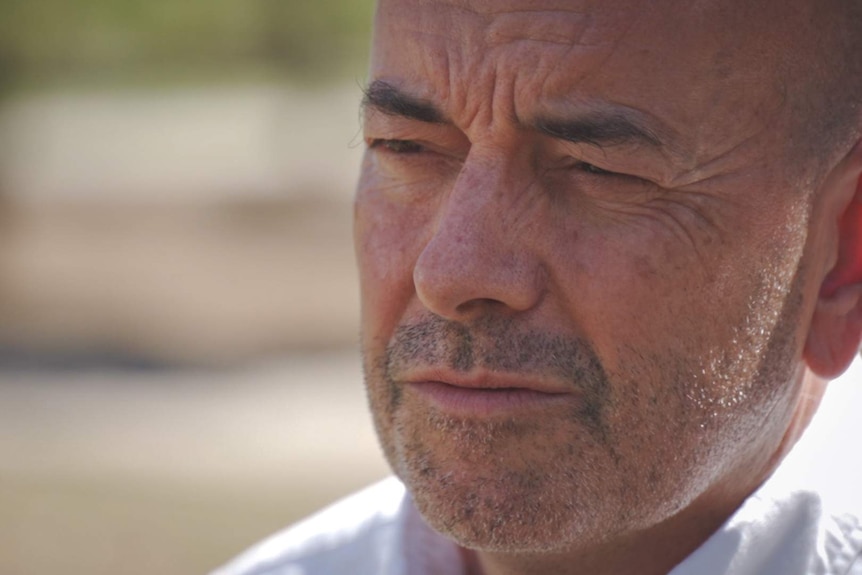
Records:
x=599, y=200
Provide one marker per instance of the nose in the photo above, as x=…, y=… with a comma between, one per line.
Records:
x=479, y=257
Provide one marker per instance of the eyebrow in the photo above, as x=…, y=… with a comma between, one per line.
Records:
x=600, y=129
x=597, y=128
x=387, y=99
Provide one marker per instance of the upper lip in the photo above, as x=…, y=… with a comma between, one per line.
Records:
x=487, y=379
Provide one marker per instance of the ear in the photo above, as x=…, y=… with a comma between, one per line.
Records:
x=836, y=326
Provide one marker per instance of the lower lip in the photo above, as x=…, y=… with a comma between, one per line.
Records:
x=484, y=401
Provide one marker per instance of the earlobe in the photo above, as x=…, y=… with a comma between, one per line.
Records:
x=836, y=326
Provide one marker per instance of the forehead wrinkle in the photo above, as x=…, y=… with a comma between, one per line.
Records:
x=449, y=74
x=514, y=6
x=542, y=26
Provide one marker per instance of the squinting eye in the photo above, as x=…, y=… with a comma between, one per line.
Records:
x=591, y=169
x=397, y=146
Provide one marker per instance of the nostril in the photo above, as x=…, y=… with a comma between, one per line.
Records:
x=486, y=308
x=482, y=305
x=454, y=283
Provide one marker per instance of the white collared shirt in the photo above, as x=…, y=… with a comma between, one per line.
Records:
x=805, y=520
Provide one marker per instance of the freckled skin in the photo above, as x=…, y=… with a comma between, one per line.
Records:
x=672, y=288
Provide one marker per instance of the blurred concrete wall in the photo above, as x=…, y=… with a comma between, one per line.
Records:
x=206, y=228
x=200, y=226
x=175, y=191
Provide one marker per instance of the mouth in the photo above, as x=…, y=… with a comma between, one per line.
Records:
x=487, y=394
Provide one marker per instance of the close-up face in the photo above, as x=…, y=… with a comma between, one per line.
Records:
x=585, y=259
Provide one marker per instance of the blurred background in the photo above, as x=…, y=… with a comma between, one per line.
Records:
x=178, y=301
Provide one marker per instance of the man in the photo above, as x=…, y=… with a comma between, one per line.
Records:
x=610, y=254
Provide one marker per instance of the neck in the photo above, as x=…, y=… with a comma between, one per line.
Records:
x=651, y=552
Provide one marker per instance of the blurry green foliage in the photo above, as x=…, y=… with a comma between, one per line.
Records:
x=115, y=40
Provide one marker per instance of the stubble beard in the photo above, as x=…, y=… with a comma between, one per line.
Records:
x=547, y=484
x=496, y=484
x=487, y=492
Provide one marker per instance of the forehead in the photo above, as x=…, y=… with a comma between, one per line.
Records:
x=680, y=62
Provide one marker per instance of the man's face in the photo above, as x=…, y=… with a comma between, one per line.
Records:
x=582, y=257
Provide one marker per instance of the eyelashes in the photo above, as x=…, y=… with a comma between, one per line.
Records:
x=401, y=147
x=415, y=162
x=410, y=147
x=593, y=169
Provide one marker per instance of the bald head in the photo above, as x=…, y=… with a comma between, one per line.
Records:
x=823, y=81
x=797, y=59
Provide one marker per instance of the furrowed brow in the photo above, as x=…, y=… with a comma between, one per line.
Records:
x=387, y=99
x=600, y=130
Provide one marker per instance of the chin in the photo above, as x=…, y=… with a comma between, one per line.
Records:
x=493, y=488
x=502, y=514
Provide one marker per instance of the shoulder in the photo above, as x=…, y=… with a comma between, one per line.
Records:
x=359, y=534
x=823, y=471
x=815, y=497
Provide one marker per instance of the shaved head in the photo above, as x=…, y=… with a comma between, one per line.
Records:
x=824, y=83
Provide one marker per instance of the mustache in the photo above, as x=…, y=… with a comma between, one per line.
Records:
x=496, y=344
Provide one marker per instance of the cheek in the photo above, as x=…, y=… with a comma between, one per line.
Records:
x=649, y=293
x=388, y=238
x=629, y=287
x=699, y=324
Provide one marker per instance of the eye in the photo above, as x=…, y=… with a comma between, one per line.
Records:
x=591, y=169
x=601, y=179
x=396, y=146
